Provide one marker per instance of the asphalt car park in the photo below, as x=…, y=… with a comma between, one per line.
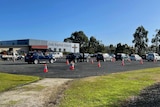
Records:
x=60, y=69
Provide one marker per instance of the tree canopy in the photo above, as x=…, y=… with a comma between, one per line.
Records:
x=140, y=40
x=156, y=39
x=92, y=45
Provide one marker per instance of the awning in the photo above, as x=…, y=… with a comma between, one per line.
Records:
x=39, y=47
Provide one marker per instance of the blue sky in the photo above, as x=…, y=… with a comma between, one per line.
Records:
x=110, y=21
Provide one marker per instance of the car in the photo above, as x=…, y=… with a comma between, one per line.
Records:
x=153, y=56
x=38, y=57
x=104, y=57
x=77, y=57
x=20, y=57
x=122, y=56
x=135, y=57
x=57, y=54
x=144, y=56
x=112, y=55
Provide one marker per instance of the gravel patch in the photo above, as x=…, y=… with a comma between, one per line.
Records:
x=148, y=97
x=43, y=93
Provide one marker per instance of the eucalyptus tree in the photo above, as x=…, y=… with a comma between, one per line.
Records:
x=140, y=40
x=156, y=40
x=93, y=44
x=112, y=48
x=122, y=48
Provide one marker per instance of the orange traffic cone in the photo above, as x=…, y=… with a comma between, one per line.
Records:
x=71, y=65
x=67, y=62
x=141, y=61
x=45, y=68
x=129, y=60
x=99, y=64
x=113, y=59
x=91, y=61
x=123, y=62
x=155, y=60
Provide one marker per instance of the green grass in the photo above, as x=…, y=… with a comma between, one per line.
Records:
x=109, y=90
x=8, y=81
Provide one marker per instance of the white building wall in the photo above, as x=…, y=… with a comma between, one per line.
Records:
x=75, y=47
x=62, y=46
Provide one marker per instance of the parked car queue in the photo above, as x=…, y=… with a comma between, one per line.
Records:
x=133, y=57
x=109, y=57
x=35, y=57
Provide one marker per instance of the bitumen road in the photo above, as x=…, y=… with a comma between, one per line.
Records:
x=60, y=69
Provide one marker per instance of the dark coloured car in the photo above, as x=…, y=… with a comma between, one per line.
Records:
x=118, y=57
x=99, y=57
x=77, y=57
x=144, y=56
x=35, y=57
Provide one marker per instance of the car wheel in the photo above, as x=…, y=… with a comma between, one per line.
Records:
x=51, y=61
x=75, y=61
x=35, y=61
x=87, y=60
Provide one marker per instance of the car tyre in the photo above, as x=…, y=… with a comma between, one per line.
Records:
x=75, y=60
x=35, y=61
x=87, y=60
x=51, y=61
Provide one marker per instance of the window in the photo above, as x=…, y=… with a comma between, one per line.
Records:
x=55, y=49
x=64, y=50
x=59, y=49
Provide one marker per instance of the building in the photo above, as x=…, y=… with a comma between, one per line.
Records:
x=26, y=45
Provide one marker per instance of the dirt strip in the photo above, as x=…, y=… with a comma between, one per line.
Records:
x=36, y=94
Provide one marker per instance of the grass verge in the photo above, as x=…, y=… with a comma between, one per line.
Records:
x=8, y=81
x=109, y=90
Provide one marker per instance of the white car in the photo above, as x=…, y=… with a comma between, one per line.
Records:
x=57, y=54
x=153, y=57
x=135, y=57
x=104, y=57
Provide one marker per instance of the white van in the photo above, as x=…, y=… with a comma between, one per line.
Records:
x=153, y=56
x=135, y=57
x=104, y=57
x=58, y=54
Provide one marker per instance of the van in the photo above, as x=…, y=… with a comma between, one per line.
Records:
x=58, y=54
x=103, y=56
x=135, y=57
x=122, y=56
x=153, y=57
